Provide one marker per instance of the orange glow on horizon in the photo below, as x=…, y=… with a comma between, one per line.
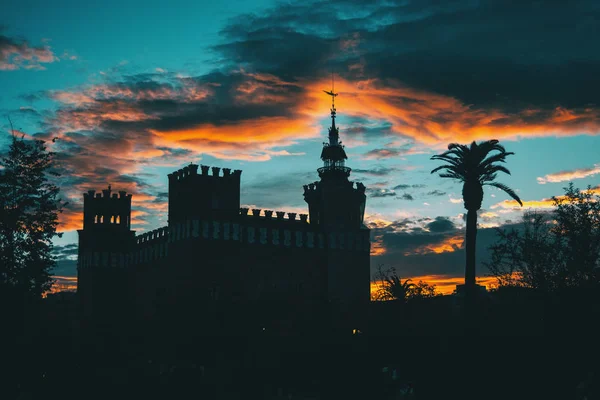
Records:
x=63, y=284
x=444, y=284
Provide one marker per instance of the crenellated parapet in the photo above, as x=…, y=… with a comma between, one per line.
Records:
x=157, y=235
x=261, y=231
x=205, y=170
x=106, y=209
x=267, y=215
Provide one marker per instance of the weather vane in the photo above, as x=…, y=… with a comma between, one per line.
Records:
x=332, y=93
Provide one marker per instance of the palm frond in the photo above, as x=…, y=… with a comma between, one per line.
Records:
x=497, y=168
x=486, y=177
x=450, y=168
x=447, y=158
x=508, y=190
x=499, y=157
x=453, y=176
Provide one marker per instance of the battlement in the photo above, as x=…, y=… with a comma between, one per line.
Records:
x=268, y=215
x=192, y=170
x=157, y=235
x=106, y=208
x=250, y=230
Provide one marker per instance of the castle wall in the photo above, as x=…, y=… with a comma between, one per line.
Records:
x=279, y=264
x=216, y=264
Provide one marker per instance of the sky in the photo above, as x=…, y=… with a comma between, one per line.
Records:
x=135, y=90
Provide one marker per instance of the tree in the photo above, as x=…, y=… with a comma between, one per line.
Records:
x=577, y=230
x=29, y=207
x=526, y=257
x=552, y=251
x=391, y=287
x=470, y=166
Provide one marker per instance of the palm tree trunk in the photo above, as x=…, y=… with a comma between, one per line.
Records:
x=471, y=241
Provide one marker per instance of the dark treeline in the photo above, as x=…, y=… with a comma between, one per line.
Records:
x=527, y=344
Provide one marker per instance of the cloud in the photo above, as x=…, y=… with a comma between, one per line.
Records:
x=16, y=54
x=457, y=75
x=389, y=152
x=436, y=192
x=376, y=171
x=406, y=196
x=564, y=176
x=424, y=72
x=405, y=186
x=66, y=252
x=381, y=192
x=455, y=201
x=416, y=251
x=441, y=224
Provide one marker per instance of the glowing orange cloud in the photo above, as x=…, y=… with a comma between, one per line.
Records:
x=62, y=284
x=239, y=141
x=377, y=246
x=436, y=119
x=448, y=245
x=70, y=220
x=565, y=176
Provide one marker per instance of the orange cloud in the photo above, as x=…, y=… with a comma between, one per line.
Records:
x=448, y=245
x=377, y=246
x=70, y=220
x=436, y=119
x=15, y=54
x=565, y=176
x=63, y=284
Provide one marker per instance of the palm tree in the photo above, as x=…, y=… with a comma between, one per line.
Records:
x=470, y=166
x=391, y=286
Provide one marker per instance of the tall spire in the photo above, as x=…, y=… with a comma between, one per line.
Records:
x=333, y=131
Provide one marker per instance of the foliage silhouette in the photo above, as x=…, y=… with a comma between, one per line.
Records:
x=553, y=251
x=525, y=258
x=29, y=207
x=391, y=287
x=472, y=166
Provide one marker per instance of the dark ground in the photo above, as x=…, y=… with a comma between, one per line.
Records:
x=525, y=345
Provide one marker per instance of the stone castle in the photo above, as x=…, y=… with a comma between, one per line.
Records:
x=213, y=253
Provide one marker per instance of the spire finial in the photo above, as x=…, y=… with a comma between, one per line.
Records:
x=332, y=93
x=333, y=131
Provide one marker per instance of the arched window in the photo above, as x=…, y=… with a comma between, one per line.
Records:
x=97, y=218
x=118, y=219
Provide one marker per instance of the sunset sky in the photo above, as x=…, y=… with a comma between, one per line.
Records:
x=135, y=90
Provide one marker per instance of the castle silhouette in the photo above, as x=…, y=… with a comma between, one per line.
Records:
x=214, y=252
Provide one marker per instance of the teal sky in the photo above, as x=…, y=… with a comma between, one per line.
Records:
x=135, y=90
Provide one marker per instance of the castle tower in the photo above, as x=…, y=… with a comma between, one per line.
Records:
x=193, y=194
x=337, y=208
x=334, y=203
x=104, y=243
